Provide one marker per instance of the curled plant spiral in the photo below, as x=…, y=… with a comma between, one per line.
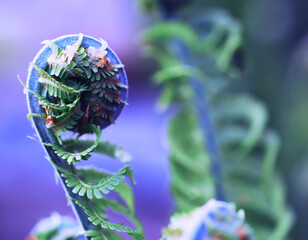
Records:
x=77, y=81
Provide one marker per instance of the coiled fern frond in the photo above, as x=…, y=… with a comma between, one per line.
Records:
x=77, y=84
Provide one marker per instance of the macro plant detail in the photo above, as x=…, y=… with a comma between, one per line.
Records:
x=77, y=83
x=223, y=149
x=81, y=87
x=221, y=153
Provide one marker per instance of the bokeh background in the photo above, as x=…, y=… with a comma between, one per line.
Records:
x=275, y=71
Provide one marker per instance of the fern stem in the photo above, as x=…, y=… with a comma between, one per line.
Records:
x=209, y=136
x=202, y=112
x=45, y=136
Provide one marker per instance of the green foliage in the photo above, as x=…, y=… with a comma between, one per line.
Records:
x=202, y=53
x=55, y=88
x=90, y=188
x=231, y=111
x=94, y=185
x=61, y=61
x=164, y=31
x=74, y=74
x=94, y=213
x=99, y=235
x=46, y=235
x=72, y=158
x=192, y=184
x=95, y=182
x=103, y=147
x=45, y=102
x=80, y=89
x=94, y=175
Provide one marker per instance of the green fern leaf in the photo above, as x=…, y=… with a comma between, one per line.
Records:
x=171, y=30
x=55, y=88
x=72, y=158
x=90, y=186
x=103, y=147
x=192, y=184
x=94, y=175
x=178, y=72
x=101, y=234
x=236, y=109
x=95, y=216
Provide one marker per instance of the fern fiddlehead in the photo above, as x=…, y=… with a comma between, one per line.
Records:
x=77, y=83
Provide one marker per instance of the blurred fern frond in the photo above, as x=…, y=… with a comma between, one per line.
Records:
x=218, y=138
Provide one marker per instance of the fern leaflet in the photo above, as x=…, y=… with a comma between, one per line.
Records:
x=72, y=158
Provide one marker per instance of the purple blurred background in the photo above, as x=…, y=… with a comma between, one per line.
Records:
x=28, y=190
